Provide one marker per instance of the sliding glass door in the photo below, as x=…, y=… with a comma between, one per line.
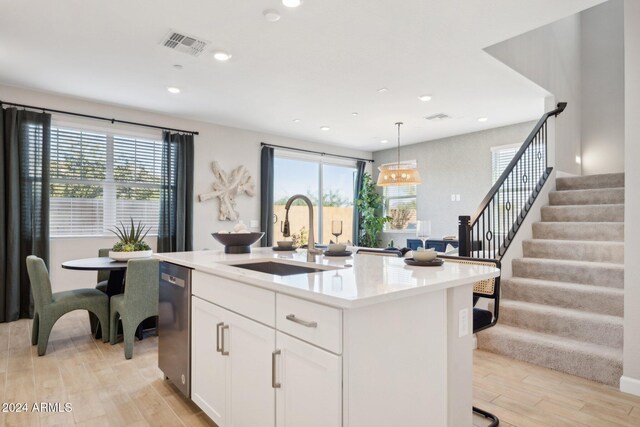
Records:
x=312, y=176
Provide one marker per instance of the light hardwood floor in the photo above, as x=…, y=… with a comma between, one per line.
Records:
x=105, y=389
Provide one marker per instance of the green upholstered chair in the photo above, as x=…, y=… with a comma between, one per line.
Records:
x=103, y=275
x=49, y=307
x=138, y=302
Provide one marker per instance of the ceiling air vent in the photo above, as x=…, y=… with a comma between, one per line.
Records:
x=184, y=43
x=438, y=116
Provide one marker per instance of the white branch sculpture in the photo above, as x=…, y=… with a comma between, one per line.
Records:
x=226, y=188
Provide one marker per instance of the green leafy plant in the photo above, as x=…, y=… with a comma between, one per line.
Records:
x=372, y=220
x=301, y=238
x=131, y=238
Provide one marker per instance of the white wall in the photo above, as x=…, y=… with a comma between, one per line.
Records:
x=602, y=59
x=550, y=57
x=455, y=165
x=630, y=381
x=579, y=59
x=231, y=147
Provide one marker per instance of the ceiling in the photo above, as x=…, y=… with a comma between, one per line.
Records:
x=319, y=63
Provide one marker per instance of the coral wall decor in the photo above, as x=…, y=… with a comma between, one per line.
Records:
x=226, y=187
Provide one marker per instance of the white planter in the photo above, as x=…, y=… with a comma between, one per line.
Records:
x=126, y=256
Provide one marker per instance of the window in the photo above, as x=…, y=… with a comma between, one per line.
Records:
x=400, y=205
x=311, y=176
x=99, y=179
x=500, y=158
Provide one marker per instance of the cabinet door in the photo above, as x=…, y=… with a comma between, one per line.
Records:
x=251, y=396
x=208, y=367
x=310, y=392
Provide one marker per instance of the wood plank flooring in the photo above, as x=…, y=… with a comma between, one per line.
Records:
x=105, y=389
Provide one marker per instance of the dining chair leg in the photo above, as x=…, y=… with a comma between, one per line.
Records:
x=45, y=324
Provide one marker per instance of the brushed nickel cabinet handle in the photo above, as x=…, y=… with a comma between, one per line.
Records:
x=306, y=323
x=274, y=384
x=222, y=350
x=218, y=348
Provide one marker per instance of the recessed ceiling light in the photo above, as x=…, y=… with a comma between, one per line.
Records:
x=271, y=15
x=424, y=98
x=296, y=120
x=172, y=89
x=482, y=119
x=354, y=114
x=384, y=141
x=221, y=55
x=292, y=3
x=325, y=128
x=382, y=90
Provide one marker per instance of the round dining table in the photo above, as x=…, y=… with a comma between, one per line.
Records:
x=116, y=269
x=115, y=284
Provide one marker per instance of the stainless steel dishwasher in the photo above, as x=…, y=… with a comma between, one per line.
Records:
x=174, y=330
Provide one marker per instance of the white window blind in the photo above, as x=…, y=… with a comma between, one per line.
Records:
x=500, y=158
x=99, y=179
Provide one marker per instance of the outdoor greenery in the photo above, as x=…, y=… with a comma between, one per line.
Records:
x=372, y=220
x=131, y=238
x=94, y=170
x=331, y=199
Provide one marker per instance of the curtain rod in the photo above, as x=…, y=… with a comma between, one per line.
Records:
x=264, y=144
x=87, y=116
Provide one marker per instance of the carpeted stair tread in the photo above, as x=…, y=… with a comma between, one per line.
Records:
x=612, y=180
x=593, y=231
x=598, y=196
x=583, y=272
x=595, y=362
x=595, y=328
x=589, y=298
x=583, y=213
x=577, y=250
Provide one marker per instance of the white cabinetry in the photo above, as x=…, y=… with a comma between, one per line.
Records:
x=310, y=392
x=231, y=369
x=246, y=374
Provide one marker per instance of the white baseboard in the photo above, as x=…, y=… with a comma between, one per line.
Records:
x=630, y=385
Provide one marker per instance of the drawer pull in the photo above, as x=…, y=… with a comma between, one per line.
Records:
x=306, y=323
x=274, y=384
x=218, y=347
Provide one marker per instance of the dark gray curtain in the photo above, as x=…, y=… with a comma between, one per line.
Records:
x=360, y=165
x=266, y=195
x=175, y=230
x=24, y=205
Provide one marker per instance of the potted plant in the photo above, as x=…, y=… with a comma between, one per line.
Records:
x=131, y=244
x=371, y=219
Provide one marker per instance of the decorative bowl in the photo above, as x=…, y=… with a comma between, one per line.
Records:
x=237, y=243
x=126, y=256
x=424, y=255
x=336, y=247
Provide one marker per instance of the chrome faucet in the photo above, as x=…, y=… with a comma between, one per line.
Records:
x=286, y=232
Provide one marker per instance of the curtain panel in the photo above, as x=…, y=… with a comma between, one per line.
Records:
x=175, y=229
x=266, y=195
x=360, y=165
x=24, y=205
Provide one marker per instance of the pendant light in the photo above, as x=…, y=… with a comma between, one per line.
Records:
x=399, y=173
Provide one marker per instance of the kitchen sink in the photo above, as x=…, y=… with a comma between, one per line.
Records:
x=280, y=268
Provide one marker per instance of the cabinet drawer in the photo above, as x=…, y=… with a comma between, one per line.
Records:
x=314, y=323
x=247, y=300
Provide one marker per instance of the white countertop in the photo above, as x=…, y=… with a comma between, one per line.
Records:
x=361, y=279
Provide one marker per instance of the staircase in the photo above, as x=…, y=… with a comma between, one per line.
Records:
x=563, y=307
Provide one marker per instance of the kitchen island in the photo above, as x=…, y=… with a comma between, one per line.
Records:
x=360, y=341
